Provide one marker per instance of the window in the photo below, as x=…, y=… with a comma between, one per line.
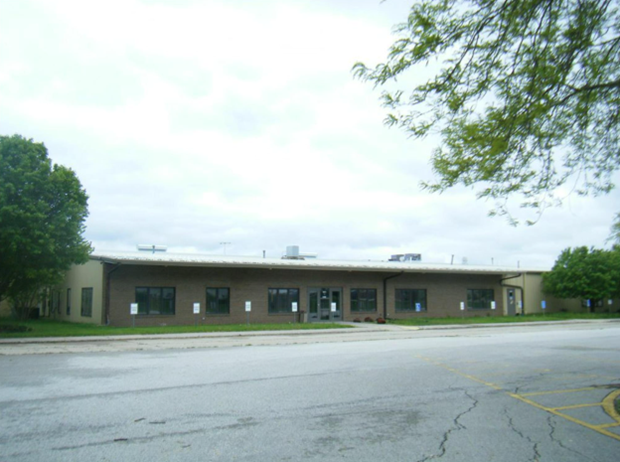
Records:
x=281, y=300
x=410, y=300
x=55, y=301
x=479, y=299
x=68, y=302
x=155, y=300
x=363, y=300
x=218, y=300
x=87, y=302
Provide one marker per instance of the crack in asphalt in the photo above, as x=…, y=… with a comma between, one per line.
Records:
x=534, y=444
x=558, y=441
x=456, y=426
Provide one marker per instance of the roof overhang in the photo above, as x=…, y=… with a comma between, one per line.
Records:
x=229, y=261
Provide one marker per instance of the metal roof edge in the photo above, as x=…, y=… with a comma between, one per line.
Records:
x=228, y=261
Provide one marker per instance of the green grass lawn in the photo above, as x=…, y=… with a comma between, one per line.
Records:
x=50, y=328
x=504, y=319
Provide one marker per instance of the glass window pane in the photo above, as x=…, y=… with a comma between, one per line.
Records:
x=155, y=300
x=372, y=300
x=142, y=300
x=314, y=302
x=280, y=300
x=68, y=302
x=87, y=302
x=167, y=302
x=408, y=299
x=479, y=299
x=211, y=301
x=354, y=300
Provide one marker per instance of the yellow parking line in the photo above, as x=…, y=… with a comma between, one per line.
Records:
x=574, y=406
x=608, y=405
x=553, y=392
x=596, y=428
x=523, y=398
x=470, y=377
x=609, y=425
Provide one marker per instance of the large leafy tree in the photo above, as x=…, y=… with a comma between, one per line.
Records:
x=588, y=274
x=524, y=94
x=42, y=213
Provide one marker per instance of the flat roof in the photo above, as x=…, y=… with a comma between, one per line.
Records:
x=235, y=261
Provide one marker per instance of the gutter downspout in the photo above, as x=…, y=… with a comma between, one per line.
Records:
x=385, y=292
x=107, y=287
x=501, y=283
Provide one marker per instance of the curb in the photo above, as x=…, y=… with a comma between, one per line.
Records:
x=265, y=333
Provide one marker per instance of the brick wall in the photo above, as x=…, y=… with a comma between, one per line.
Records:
x=444, y=292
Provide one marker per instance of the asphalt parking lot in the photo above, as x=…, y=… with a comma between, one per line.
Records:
x=511, y=394
x=592, y=407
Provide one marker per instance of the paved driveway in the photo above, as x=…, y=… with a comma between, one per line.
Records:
x=506, y=394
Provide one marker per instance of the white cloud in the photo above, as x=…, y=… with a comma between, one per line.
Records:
x=193, y=123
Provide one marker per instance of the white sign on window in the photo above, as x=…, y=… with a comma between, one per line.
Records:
x=333, y=307
x=294, y=307
x=133, y=308
x=248, y=306
x=493, y=304
x=462, y=306
x=196, y=308
x=418, y=307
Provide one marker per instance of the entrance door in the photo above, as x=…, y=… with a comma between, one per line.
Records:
x=511, y=309
x=324, y=304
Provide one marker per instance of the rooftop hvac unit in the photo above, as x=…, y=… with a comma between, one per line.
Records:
x=292, y=251
x=406, y=257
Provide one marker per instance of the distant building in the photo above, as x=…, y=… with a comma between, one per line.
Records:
x=166, y=286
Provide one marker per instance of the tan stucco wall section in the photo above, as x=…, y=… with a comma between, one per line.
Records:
x=78, y=277
x=534, y=295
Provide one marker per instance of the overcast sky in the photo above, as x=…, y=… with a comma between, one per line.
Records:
x=192, y=123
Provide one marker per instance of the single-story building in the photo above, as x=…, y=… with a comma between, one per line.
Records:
x=176, y=289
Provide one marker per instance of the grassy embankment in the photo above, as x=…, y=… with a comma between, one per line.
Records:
x=504, y=319
x=51, y=328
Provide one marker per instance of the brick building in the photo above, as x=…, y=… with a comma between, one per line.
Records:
x=167, y=289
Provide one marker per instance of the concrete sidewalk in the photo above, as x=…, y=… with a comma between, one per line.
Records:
x=355, y=328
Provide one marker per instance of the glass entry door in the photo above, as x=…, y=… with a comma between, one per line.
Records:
x=324, y=304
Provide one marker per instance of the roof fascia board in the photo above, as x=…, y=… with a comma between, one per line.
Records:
x=314, y=267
